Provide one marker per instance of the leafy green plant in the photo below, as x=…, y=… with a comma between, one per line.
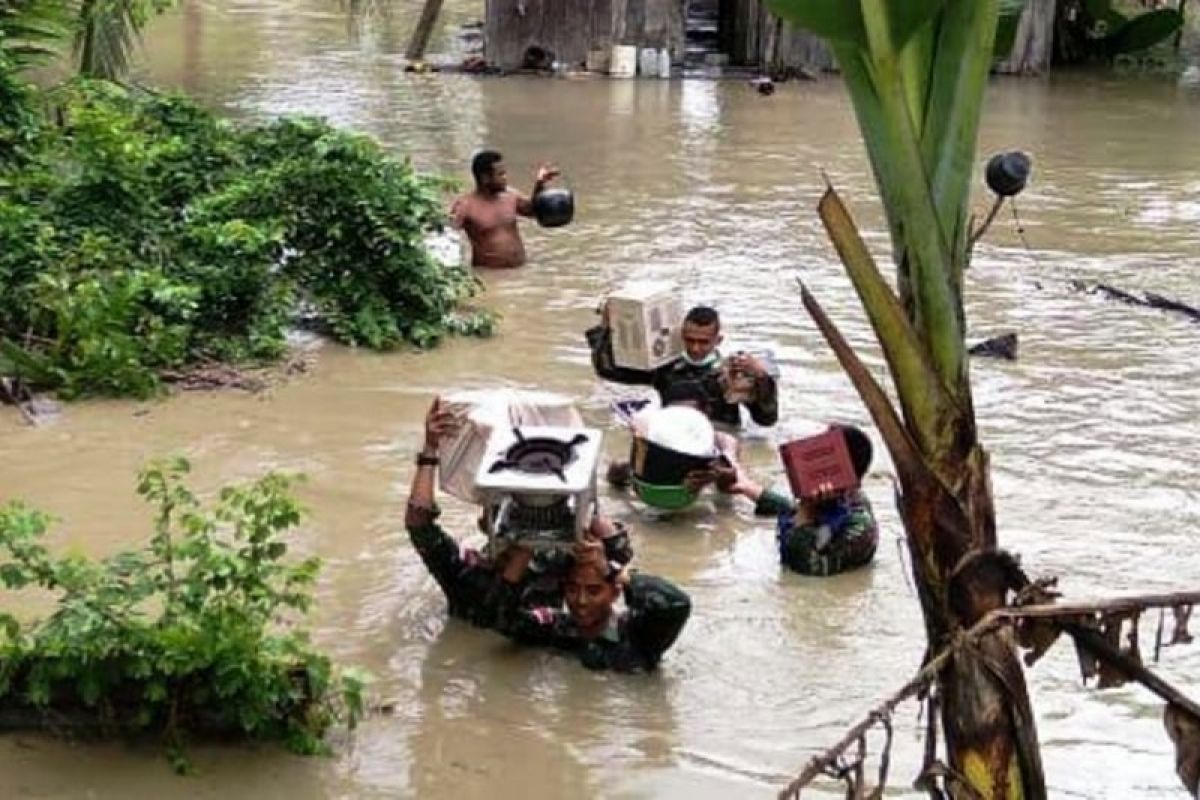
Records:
x=29, y=30
x=114, y=328
x=181, y=636
x=193, y=239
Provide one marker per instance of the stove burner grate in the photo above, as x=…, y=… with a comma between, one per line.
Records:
x=541, y=455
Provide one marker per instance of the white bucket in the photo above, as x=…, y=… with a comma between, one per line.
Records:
x=624, y=61
x=648, y=62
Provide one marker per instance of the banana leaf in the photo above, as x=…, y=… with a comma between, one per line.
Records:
x=1144, y=31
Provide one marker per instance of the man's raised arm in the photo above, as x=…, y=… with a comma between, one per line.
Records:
x=545, y=174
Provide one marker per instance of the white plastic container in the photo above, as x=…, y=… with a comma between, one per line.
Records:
x=664, y=63
x=645, y=317
x=446, y=248
x=623, y=63
x=648, y=62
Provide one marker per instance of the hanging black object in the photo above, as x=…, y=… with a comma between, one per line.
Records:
x=1008, y=172
x=554, y=208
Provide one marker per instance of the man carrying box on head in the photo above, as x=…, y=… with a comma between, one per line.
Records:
x=830, y=528
x=742, y=379
x=490, y=591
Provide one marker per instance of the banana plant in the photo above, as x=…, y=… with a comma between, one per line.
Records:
x=103, y=33
x=916, y=71
x=1109, y=32
x=107, y=31
x=29, y=30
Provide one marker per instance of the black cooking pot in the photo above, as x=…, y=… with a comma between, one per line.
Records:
x=1007, y=173
x=655, y=464
x=554, y=208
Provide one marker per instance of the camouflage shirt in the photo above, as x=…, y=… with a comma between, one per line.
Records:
x=764, y=408
x=843, y=537
x=636, y=639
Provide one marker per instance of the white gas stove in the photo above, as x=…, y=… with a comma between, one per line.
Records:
x=539, y=483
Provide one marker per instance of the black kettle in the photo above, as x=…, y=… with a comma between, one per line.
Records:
x=1007, y=173
x=554, y=208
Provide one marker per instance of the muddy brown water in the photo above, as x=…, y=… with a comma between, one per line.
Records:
x=1093, y=432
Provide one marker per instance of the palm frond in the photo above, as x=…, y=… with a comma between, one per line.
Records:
x=32, y=30
x=107, y=34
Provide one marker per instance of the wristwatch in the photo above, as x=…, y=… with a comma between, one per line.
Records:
x=424, y=460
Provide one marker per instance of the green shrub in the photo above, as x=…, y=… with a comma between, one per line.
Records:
x=182, y=635
x=194, y=239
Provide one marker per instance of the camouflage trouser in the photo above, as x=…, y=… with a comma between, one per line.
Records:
x=813, y=550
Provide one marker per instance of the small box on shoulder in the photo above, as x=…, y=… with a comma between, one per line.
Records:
x=645, y=319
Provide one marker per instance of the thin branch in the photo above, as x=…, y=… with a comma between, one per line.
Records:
x=978, y=233
x=1066, y=616
x=1083, y=608
x=818, y=764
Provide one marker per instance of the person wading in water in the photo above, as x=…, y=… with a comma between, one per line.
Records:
x=489, y=592
x=489, y=214
x=700, y=364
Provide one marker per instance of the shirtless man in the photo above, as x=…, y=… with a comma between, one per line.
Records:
x=489, y=214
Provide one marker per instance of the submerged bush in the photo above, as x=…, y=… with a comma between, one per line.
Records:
x=182, y=635
x=142, y=233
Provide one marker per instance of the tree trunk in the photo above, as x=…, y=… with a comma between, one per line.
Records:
x=991, y=739
x=420, y=38
x=1034, y=44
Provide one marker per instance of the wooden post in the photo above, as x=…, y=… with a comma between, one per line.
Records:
x=420, y=37
x=1183, y=27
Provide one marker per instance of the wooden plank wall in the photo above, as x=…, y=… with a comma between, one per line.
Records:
x=753, y=40
x=569, y=28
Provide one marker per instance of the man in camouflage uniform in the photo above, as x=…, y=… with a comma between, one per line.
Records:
x=493, y=592
x=833, y=533
x=700, y=364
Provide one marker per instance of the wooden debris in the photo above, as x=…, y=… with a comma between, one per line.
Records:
x=215, y=376
x=1003, y=346
x=211, y=375
x=1147, y=300
x=1167, y=304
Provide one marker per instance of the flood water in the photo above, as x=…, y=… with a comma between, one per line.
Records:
x=1093, y=433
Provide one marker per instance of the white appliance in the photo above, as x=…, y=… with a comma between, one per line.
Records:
x=624, y=61
x=483, y=411
x=645, y=319
x=648, y=62
x=538, y=484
